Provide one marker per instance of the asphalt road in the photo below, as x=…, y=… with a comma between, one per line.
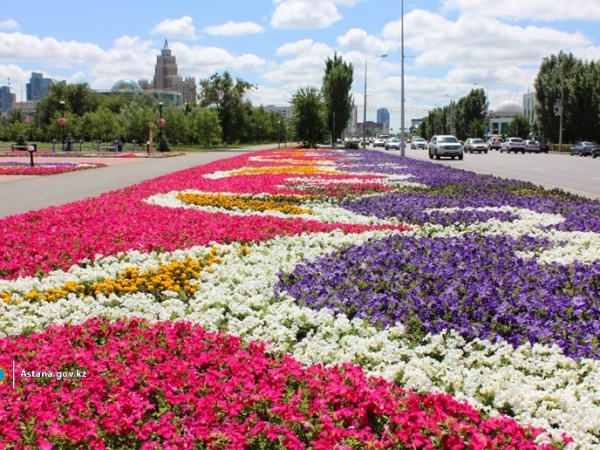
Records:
x=578, y=175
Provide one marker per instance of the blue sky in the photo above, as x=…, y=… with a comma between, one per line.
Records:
x=281, y=45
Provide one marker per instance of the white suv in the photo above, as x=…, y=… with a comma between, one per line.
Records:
x=445, y=145
x=418, y=142
x=513, y=144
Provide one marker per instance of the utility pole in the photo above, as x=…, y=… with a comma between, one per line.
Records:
x=402, y=135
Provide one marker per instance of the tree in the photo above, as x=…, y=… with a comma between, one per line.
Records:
x=339, y=103
x=519, y=127
x=79, y=99
x=204, y=127
x=553, y=77
x=308, y=121
x=227, y=97
x=470, y=109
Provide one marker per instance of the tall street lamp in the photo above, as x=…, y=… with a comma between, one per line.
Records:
x=365, y=101
x=402, y=134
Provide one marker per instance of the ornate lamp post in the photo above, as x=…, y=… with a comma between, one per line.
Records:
x=161, y=123
x=62, y=123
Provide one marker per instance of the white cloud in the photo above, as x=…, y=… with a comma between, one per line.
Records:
x=23, y=47
x=305, y=66
x=234, y=29
x=204, y=61
x=530, y=9
x=358, y=40
x=9, y=24
x=305, y=14
x=181, y=28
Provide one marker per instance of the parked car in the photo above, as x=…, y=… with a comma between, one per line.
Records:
x=533, y=146
x=494, y=143
x=475, y=145
x=596, y=152
x=513, y=144
x=393, y=143
x=378, y=143
x=445, y=145
x=583, y=148
x=417, y=143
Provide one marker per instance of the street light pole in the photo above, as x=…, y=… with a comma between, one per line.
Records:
x=279, y=136
x=365, y=102
x=402, y=134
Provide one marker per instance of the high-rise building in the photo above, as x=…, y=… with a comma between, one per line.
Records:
x=166, y=77
x=7, y=99
x=383, y=116
x=38, y=87
x=165, y=71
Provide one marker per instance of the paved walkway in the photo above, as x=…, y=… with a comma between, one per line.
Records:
x=23, y=194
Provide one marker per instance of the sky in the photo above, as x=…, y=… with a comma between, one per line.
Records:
x=280, y=46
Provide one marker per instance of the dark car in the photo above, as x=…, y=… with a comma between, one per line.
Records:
x=583, y=148
x=544, y=146
x=596, y=152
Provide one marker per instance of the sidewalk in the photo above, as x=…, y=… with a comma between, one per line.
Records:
x=28, y=193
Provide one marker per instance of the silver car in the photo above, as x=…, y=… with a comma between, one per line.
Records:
x=445, y=145
x=417, y=143
x=475, y=145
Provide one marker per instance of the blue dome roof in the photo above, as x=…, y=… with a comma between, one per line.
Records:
x=125, y=85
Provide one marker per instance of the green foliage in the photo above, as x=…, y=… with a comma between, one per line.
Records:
x=227, y=96
x=578, y=80
x=519, y=127
x=469, y=113
x=308, y=121
x=337, y=99
x=205, y=128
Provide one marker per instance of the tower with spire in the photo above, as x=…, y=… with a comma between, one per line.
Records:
x=165, y=71
x=167, y=79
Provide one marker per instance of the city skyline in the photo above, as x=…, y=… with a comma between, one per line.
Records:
x=451, y=46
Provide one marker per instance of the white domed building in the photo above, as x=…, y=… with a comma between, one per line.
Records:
x=502, y=116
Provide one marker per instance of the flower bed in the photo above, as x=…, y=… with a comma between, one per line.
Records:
x=21, y=168
x=439, y=281
x=50, y=154
x=131, y=385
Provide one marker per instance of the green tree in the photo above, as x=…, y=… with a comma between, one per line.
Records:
x=104, y=124
x=469, y=109
x=308, y=122
x=519, y=127
x=338, y=101
x=227, y=96
x=176, y=129
x=79, y=99
x=552, y=78
x=135, y=119
x=205, y=127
